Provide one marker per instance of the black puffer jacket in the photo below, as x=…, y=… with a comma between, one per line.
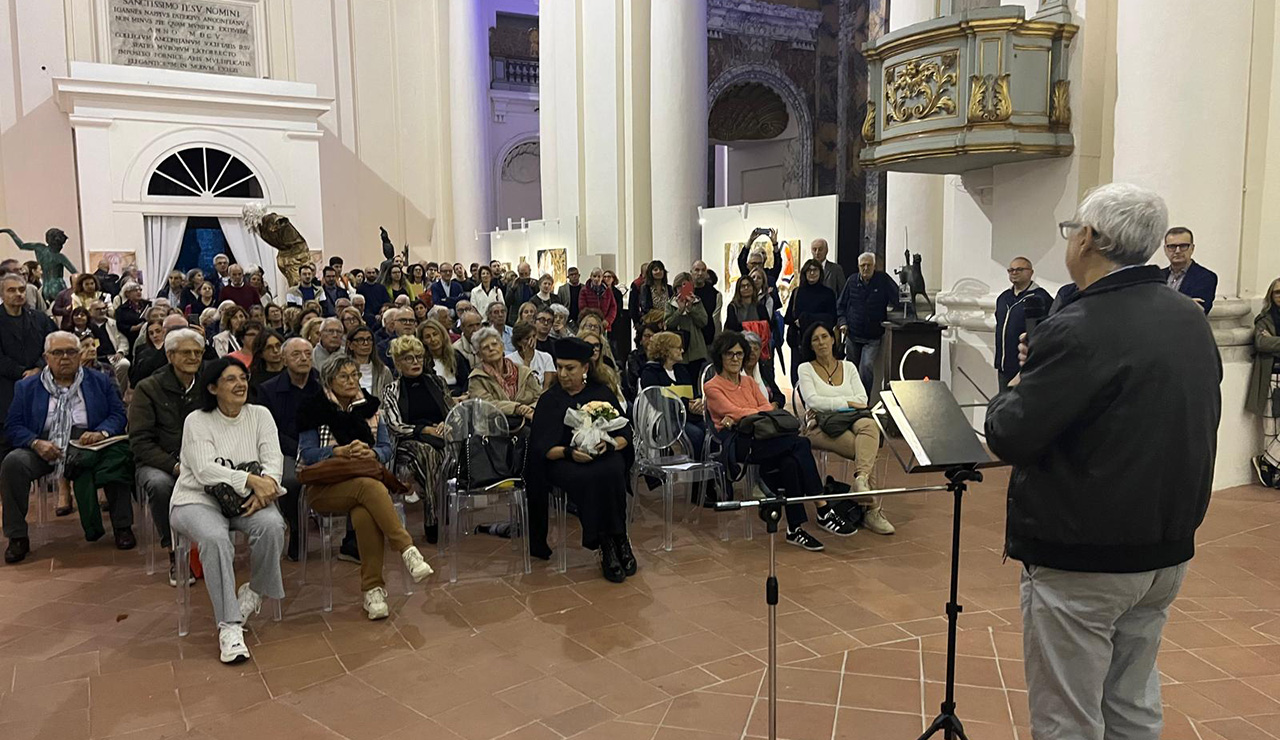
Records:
x=1112, y=431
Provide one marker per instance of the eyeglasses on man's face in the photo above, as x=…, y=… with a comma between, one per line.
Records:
x=64, y=354
x=1178, y=247
x=1017, y=270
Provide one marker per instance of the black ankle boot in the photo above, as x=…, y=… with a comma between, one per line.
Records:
x=610, y=563
x=626, y=557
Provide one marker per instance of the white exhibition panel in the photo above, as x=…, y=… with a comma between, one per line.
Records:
x=522, y=243
x=804, y=219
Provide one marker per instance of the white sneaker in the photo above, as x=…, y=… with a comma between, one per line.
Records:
x=250, y=602
x=418, y=567
x=231, y=644
x=375, y=603
x=874, y=521
x=412, y=497
x=861, y=484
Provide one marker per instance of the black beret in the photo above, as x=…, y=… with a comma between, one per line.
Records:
x=572, y=348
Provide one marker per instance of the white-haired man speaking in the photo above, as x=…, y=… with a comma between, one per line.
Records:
x=1111, y=427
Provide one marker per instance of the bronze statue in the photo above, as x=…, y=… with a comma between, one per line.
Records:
x=277, y=231
x=52, y=260
x=912, y=276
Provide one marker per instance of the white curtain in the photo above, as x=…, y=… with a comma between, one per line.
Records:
x=164, y=244
x=248, y=249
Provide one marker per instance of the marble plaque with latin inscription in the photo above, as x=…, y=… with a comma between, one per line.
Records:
x=211, y=36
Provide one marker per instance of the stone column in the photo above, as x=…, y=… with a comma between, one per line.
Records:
x=547, y=110
x=678, y=128
x=468, y=128
x=602, y=131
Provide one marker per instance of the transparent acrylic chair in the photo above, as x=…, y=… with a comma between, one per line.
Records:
x=469, y=422
x=658, y=420
x=45, y=490
x=182, y=553
x=802, y=413
x=327, y=523
x=712, y=449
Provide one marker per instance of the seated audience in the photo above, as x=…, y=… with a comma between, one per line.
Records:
x=112, y=345
x=245, y=337
x=150, y=356
x=129, y=314
x=468, y=323
x=525, y=337
x=332, y=332
x=786, y=462
x=374, y=375
x=546, y=295
x=559, y=321
x=157, y=413
x=754, y=369
x=608, y=372
x=444, y=361
x=310, y=331
x=224, y=443
x=829, y=385
x=497, y=318
x=231, y=322
x=512, y=387
x=60, y=404
x=667, y=369
x=528, y=311
x=267, y=362
x=635, y=363
x=594, y=480
x=542, y=322
x=416, y=406
x=283, y=396
x=346, y=423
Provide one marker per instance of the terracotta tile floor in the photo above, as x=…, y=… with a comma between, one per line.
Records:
x=88, y=646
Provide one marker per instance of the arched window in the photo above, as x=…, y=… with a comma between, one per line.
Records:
x=204, y=172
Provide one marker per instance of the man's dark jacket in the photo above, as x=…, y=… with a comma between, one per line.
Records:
x=157, y=413
x=1112, y=430
x=863, y=307
x=1011, y=322
x=21, y=348
x=1199, y=282
x=283, y=399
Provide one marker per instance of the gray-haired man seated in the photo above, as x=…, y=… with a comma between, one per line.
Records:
x=160, y=406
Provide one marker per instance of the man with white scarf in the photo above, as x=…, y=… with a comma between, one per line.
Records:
x=62, y=403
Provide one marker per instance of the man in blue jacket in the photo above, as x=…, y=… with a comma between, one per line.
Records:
x=1184, y=274
x=61, y=404
x=1011, y=316
x=445, y=291
x=861, y=311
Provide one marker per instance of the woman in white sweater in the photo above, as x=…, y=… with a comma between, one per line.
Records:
x=218, y=444
x=827, y=384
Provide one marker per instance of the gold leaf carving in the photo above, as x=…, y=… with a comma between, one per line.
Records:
x=989, y=98
x=918, y=88
x=869, y=123
x=1060, y=104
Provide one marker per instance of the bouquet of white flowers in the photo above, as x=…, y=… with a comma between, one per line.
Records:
x=592, y=425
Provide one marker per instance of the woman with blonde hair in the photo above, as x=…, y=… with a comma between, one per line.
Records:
x=310, y=330
x=443, y=360
x=351, y=319
x=416, y=406
x=602, y=368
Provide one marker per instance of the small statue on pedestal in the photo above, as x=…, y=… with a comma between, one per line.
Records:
x=277, y=231
x=911, y=278
x=52, y=260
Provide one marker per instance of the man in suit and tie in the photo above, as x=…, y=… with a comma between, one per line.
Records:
x=1184, y=274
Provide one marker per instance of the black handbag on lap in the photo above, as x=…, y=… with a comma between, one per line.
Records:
x=230, y=502
x=768, y=424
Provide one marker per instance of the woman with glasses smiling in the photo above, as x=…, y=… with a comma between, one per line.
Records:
x=346, y=422
x=416, y=406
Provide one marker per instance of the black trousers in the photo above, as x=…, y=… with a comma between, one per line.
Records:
x=21, y=468
x=599, y=490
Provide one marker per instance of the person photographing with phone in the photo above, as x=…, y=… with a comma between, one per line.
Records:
x=1111, y=428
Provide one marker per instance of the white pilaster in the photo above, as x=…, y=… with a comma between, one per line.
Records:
x=1193, y=152
x=678, y=127
x=602, y=133
x=468, y=124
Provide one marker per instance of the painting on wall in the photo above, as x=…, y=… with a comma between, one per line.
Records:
x=554, y=262
x=116, y=261
x=787, y=251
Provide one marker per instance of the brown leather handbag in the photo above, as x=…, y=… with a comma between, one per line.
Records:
x=342, y=469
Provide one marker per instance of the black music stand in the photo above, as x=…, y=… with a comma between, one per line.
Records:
x=924, y=417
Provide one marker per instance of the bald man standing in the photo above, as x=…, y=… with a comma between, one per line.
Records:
x=832, y=272
x=1011, y=316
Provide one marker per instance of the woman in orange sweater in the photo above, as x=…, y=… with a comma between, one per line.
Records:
x=786, y=462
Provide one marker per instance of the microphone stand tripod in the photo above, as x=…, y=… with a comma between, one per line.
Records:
x=770, y=509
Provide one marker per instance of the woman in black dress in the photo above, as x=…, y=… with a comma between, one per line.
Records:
x=596, y=485
x=810, y=303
